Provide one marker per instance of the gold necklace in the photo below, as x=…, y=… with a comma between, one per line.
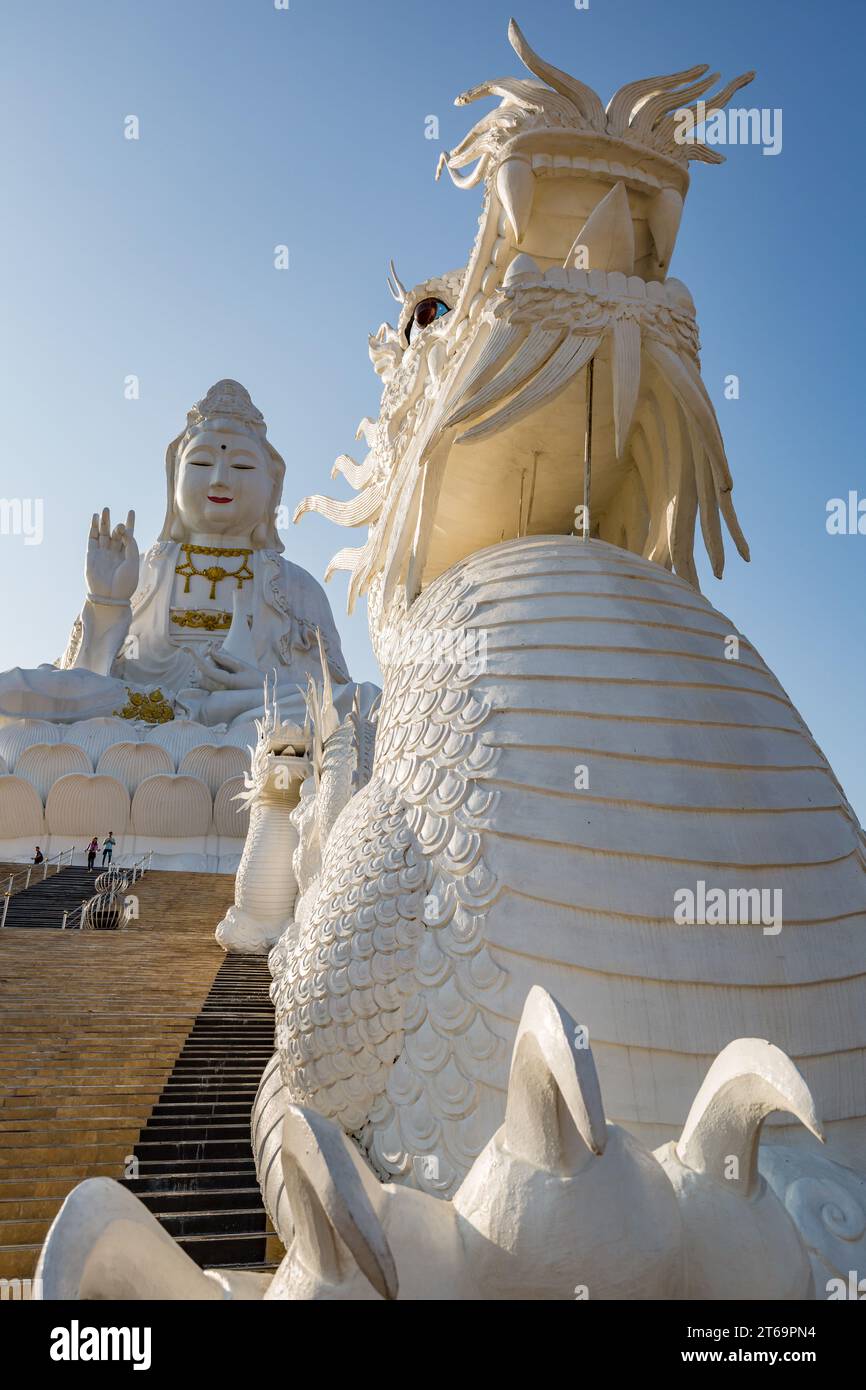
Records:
x=214, y=573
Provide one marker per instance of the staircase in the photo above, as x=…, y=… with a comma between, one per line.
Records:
x=143, y=1044
x=195, y=1168
x=45, y=901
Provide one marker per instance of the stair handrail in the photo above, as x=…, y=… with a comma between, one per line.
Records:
x=138, y=867
x=27, y=872
x=72, y=925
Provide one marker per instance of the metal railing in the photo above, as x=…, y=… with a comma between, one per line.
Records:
x=27, y=874
x=41, y=870
x=132, y=871
x=69, y=922
x=136, y=869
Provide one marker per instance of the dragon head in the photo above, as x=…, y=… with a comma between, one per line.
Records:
x=480, y=435
x=279, y=756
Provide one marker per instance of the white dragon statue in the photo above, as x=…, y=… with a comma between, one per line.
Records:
x=572, y=745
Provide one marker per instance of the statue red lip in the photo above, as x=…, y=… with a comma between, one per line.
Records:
x=219, y=499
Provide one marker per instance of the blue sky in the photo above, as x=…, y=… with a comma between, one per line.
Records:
x=306, y=127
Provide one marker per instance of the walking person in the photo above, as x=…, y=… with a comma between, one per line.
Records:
x=92, y=851
x=107, y=847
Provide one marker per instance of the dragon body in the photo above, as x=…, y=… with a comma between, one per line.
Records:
x=533, y=822
x=572, y=741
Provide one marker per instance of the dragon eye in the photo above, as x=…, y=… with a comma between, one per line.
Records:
x=426, y=311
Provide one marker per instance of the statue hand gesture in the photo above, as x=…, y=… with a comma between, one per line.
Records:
x=111, y=566
x=219, y=670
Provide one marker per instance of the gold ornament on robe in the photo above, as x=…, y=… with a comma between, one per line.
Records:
x=151, y=707
x=214, y=620
x=215, y=573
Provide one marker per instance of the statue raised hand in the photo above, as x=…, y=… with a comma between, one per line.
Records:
x=111, y=565
x=111, y=572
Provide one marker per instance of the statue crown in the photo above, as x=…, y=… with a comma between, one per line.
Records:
x=227, y=398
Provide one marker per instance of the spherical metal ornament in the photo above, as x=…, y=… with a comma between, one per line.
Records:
x=111, y=881
x=104, y=912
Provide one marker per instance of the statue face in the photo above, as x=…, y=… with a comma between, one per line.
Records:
x=223, y=483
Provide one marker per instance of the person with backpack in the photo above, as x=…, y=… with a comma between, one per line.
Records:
x=92, y=851
x=107, y=847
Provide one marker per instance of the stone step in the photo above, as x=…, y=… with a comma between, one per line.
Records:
x=186, y=1149
x=92, y=1024
x=63, y=1112
x=29, y=1208
x=63, y=1126
x=192, y=1177
x=53, y=1178
x=27, y=1232
x=269, y=1267
x=216, y=1251
x=50, y=1189
x=205, y=1199
x=192, y=1131
x=215, y=1221
x=161, y=1121
x=34, y=1155
x=19, y=1261
x=151, y=1150
x=43, y=903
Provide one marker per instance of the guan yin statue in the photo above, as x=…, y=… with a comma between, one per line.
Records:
x=144, y=723
x=581, y=904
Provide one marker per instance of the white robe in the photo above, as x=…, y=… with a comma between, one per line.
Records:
x=288, y=604
x=287, y=607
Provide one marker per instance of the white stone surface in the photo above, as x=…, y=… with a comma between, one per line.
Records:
x=242, y=734
x=178, y=737
x=171, y=805
x=21, y=813
x=213, y=766
x=739, y=1242
x=231, y=817
x=827, y=1203
x=265, y=884
x=103, y=1238
x=18, y=734
x=85, y=799
x=131, y=763
x=699, y=768
x=95, y=736
x=43, y=763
